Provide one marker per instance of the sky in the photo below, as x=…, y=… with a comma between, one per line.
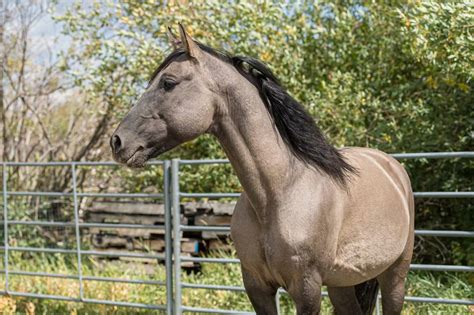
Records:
x=47, y=33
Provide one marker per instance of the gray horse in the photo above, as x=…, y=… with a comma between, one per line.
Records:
x=310, y=215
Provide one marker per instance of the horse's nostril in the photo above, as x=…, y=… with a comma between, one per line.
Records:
x=115, y=143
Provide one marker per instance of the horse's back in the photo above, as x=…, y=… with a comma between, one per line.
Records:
x=379, y=161
x=376, y=214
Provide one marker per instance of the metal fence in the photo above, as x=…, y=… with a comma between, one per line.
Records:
x=77, y=225
x=173, y=258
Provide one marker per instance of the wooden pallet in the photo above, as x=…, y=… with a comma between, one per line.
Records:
x=152, y=240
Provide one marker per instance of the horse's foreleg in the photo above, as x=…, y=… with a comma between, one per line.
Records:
x=344, y=300
x=261, y=294
x=306, y=292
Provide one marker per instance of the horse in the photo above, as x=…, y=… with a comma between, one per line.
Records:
x=309, y=214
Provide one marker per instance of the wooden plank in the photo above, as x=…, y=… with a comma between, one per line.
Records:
x=107, y=241
x=220, y=208
x=124, y=218
x=189, y=208
x=208, y=207
x=157, y=245
x=189, y=245
x=115, y=250
x=128, y=219
x=210, y=219
x=145, y=233
x=127, y=208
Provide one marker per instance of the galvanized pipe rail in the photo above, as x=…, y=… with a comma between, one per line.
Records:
x=177, y=195
x=77, y=225
x=171, y=197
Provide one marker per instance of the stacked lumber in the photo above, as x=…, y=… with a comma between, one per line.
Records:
x=209, y=213
x=151, y=240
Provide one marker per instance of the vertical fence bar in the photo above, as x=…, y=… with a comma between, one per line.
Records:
x=5, y=223
x=168, y=238
x=176, y=234
x=377, y=305
x=277, y=302
x=78, y=233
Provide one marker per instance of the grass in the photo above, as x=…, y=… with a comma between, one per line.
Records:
x=440, y=284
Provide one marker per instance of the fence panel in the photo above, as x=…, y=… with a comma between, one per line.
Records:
x=177, y=195
x=77, y=225
x=172, y=227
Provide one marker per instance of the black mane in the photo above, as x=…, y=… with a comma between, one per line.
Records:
x=296, y=127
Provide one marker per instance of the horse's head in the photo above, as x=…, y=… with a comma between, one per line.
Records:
x=178, y=106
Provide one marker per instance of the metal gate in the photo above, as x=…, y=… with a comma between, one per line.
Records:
x=173, y=258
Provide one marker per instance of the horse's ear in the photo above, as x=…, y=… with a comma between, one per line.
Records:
x=174, y=40
x=189, y=44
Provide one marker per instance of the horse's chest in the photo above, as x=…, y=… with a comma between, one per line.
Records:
x=272, y=252
x=265, y=255
x=275, y=249
x=282, y=258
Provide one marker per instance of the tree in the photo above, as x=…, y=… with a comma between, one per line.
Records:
x=43, y=115
x=395, y=76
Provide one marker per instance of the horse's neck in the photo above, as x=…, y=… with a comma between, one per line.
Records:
x=261, y=159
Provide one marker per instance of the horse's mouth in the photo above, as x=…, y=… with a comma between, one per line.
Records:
x=142, y=155
x=137, y=159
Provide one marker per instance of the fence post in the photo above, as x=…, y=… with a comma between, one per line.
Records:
x=78, y=232
x=277, y=302
x=168, y=238
x=377, y=305
x=5, y=223
x=176, y=234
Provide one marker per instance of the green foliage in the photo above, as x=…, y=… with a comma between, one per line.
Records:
x=373, y=74
x=394, y=76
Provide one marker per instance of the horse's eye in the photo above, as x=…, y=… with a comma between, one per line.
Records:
x=169, y=84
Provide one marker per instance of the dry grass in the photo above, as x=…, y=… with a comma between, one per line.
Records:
x=419, y=284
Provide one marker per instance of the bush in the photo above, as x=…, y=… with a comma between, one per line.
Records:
x=391, y=76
